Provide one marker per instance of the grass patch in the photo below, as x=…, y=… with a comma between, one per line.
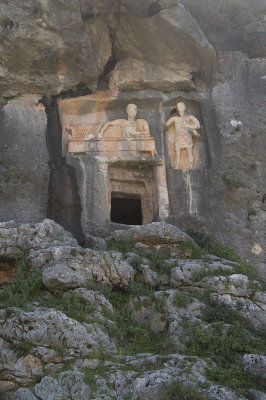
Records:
x=177, y=390
x=137, y=288
x=229, y=336
x=72, y=306
x=190, y=247
x=252, y=213
x=235, y=377
x=197, y=276
x=222, y=343
x=26, y=286
x=134, y=338
x=123, y=245
x=181, y=299
x=22, y=348
x=158, y=261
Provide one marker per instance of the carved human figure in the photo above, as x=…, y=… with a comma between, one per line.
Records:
x=126, y=128
x=180, y=133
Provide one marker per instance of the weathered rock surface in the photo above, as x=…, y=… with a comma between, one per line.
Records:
x=92, y=297
x=69, y=385
x=255, y=364
x=135, y=74
x=15, y=238
x=63, y=58
x=173, y=28
x=24, y=158
x=49, y=328
x=22, y=370
x=159, y=235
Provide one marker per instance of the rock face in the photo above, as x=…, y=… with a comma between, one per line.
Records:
x=24, y=160
x=159, y=34
x=134, y=74
x=62, y=57
x=154, y=54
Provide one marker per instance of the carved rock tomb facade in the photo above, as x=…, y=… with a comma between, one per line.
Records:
x=117, y=144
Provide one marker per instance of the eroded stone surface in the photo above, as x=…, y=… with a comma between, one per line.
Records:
x=136, y=74
x=53, y=328
x=62, y=57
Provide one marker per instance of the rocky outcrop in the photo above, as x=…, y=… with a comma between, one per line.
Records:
x=50, y=328
x=65, y=343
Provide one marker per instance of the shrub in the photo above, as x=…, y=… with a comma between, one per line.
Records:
x=158, y=261
x=139, y=289
x=124, y=244
x=72, y=306
x=232, y=183
x=181, y=299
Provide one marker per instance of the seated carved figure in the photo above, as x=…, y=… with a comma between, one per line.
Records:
x=180, y=133
x=128, y=129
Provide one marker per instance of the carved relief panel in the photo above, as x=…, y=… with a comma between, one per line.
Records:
x=181, y=135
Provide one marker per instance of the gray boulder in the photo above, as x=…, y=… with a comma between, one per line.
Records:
x=256, y=364
x=24, y=394
x=69, y=385
x=48, y=328
x=59, y=278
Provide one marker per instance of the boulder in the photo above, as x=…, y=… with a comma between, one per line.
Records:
x=24, y=394
x=60, y=278
x=79, y=267
x=14, y=239
x=69, y=385
x=255, y=364
x=48, y=328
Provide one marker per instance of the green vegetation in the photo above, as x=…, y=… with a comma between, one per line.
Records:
x=72, y=306
x=190, y=248
x=252, y=213
x=22, y=348
x=182, y=299
x=209, y=246
x=177, y=390
x=26, y=287
x=134, y=338
x=123, y=245
x=232, y=183
x=229, y=335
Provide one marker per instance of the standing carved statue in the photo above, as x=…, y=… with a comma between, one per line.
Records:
x=179, y=136
x=126, y=128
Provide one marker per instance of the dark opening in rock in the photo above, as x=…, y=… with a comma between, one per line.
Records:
x=126, y=210
x=154, y=9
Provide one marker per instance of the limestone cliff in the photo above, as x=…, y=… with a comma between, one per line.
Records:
x=94, y=57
